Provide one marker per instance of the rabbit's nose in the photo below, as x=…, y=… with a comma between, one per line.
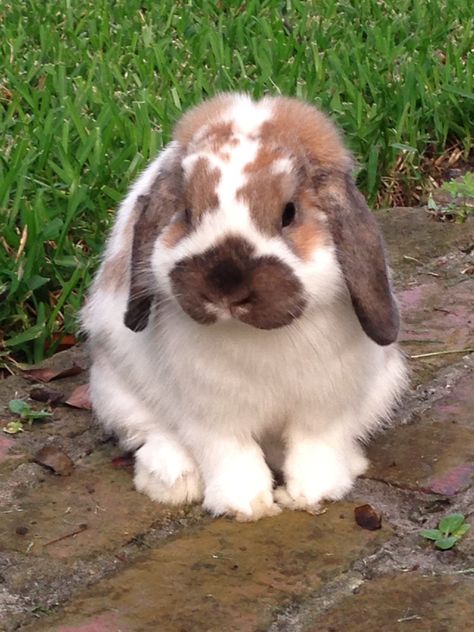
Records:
x=228, y=280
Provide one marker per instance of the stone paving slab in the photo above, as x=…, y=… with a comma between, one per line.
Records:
x=95, y=493
x=428, y=258
x=85, y=552
x=396, y=603
x=415, y=240
x=435, y=454
x=226, y=577
x=437, y=316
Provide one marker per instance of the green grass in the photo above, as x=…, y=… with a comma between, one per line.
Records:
x=89, y=91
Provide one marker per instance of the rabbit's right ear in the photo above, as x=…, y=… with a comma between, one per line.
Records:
x=141, y=293
x=154, y=212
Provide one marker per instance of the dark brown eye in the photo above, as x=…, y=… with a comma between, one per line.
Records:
x=288, y=215
x=187, y=216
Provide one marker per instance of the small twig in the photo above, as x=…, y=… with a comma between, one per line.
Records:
x=408, y=258
x=411, y=618
x=439, y=353
x=82, y=527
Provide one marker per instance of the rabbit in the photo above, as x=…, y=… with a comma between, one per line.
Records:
x=242, y=321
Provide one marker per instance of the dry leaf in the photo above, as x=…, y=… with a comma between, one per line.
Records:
x=55, y=459
x=367, y=518
x=79, y=398
x=48, y=395
x=47, y=375
x=124, y=460
x=63, y=341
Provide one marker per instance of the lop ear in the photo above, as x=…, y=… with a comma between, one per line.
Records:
x=154, y=212
x=360, y=252
x=141, y=294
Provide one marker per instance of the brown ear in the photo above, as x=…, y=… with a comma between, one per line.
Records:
x=141, y=293
x=360, y=252
x=154, y=213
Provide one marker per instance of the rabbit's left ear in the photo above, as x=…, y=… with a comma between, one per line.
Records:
x=360, y=253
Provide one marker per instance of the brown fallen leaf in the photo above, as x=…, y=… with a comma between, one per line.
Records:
x=55, y=459
x=124, y=460
x=48, y=395
x=79, y=398
x=61, y=342
x=367, y=518
x=47, y=375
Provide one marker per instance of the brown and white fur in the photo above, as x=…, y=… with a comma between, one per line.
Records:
x=243, y=317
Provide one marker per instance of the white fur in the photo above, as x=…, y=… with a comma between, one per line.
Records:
x=203, y=402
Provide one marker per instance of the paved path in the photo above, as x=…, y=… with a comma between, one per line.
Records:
x=133, y=566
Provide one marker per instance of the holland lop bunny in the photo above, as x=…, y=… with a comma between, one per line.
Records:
x=242, y=319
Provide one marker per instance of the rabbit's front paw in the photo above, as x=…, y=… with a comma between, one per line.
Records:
x=241, y=487
x=243, y=510
x=318, y=472
x=167, y=474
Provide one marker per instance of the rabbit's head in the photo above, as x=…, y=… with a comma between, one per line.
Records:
x=254, y=217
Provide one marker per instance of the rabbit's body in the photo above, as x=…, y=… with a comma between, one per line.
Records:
x=217, y=341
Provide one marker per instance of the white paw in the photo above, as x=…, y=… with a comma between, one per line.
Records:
x=166, y=473
x=260, y=507
x=249, y=510
x=242, y=488
x=357, y=462
x=315, y=472
x=300, y=503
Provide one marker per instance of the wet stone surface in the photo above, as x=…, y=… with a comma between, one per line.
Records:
x=81, y=551
x=436, y=452
x=225, y=577
x=403, y=602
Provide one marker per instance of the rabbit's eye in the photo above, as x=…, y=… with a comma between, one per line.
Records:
x=188, y=215
x=288, y=216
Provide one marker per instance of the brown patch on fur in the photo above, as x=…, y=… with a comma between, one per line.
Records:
x=309, y=231
x=208, y=113
x=115, y=272
x=260, y=291
x=266, y=156
x=174, y=233
x=266, y=194
x=304, y=240
x=201, y=185
x=217, y=137
x=303, y=129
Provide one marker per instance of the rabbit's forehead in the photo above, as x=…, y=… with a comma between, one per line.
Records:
x=239, y=175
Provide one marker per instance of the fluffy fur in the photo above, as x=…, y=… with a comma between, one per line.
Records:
x=218, y=360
